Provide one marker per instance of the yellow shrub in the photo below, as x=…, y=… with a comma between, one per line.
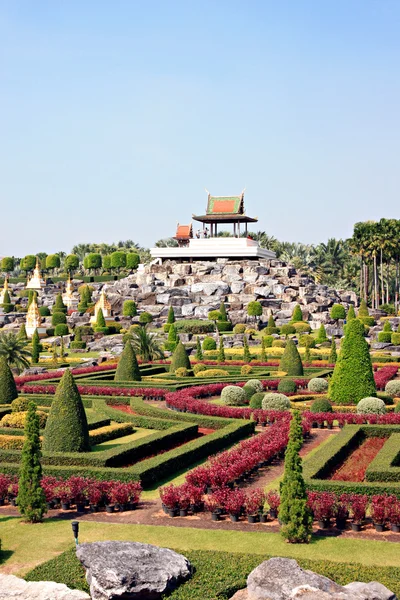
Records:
x=212, y=373
x=17, y=420
x=11, y=442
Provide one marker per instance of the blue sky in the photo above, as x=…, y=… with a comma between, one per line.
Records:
x=114, y=117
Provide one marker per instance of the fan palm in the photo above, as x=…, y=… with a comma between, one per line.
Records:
x=146, y=344
x=14, y=350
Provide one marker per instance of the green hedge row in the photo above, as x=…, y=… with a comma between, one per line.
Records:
x=385, y=466
x=162, y=421
x=218, y=575
x=110, y=432
x=47, y=399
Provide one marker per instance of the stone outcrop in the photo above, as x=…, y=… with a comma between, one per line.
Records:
x=131, y=570
x=14, y=588
x=283, y=579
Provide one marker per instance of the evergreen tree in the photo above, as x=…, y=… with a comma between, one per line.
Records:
x=35, y=347
x=128, y=368
x=363, y=310
x=307, y=355
x=7, y=306
x=8, y=389
x=62, y=348
x=338, y=312
x=171, y=315
x=199, y=352
x=351, y=313
x=291, y=360
x=246, y=350
x=22, y=333
x=263, y=356
x=333, y=352
x=31, y=499
x=221, y=350
x=59, y=305
x=55, y=353
x=322, y=337
x=66, y=428
x=297, y=315
x=271, y=322
x=173, y=338
x=179, y=358
x=100, y=320
x=293, y=511
x=78, y=335
x=223, y=313
x=387, y=328
x=352, y=378
x=129, y=308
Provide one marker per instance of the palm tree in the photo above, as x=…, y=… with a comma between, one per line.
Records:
x=14, y=350
x=146, y=344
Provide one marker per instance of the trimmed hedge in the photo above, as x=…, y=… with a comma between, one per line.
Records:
x=218, y=575
x=386, y=464
x=109, y=432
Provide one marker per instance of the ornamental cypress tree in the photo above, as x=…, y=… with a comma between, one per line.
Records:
x=55, y=353
x=307, y=355
x=293, y=511
x=129, y=308
x=246, y=350
x=173, y=338
x=387, y=328
x=22, y=333
x=59, y=305
x=35, y=347
x=31, y=499
x=221, y=351
x=223, y=313
x=128, y=368
x=271, y=321
x=7, y=306
x=171, y=315
x=321, y=337
x=199, y=352
x=291, y=360
x=333, y=353
x=179, y=358
x=100, y=320
x=338, y=312
x=66, y=428
x=263, y=356
x=8, y=389
x=297, y=315
x=62, y=348
x=351, y=313
x=352, y=378
x=363, y=310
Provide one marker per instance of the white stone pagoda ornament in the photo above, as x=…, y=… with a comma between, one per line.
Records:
x=4, y=290
x=33, y=319
x=35, y=282
x=105, y=306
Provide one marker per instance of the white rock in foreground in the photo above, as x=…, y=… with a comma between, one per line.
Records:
x=12, y=588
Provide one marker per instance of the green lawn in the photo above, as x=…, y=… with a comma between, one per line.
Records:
x=136, y=435
x=30, y=545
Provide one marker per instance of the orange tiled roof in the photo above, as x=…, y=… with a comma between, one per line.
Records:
x=184, y=232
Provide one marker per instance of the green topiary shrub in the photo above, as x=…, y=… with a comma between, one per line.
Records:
x=302, y=327
x=181, y=372
x=254, y=309
x=198, y=368
x=173, y=338
x=145, y=318
x=251, y=387
x=223, y=326
x=233, y=395
x=287, y=329
x=307, y=341
x=321, y=336
x=58, y=318
x=20, y=404
x=321, y=405
x=17, y=420
x=297, y=315
x=66, y=428
x=272, y=401
x=384, y=337
x=287, y=386
x=36, y=347
x=256, y=400
x=128, y=368
x=352, y=378
x=395, y=339
x=221, y=351
x=397, y=408
x=129, y=308
x=194, y=326
x=392, y=388
x=268, y=340
x=8, y=389
x=179, y=358
x=363, y=314
x=338, y=312
x=239, y=328
x=351, y=313
x=333, y=353
x=209, y=344
x=59, y=306
x=278, y=344
x=212, y=373
x=271, y=326
x=291, y=361
x=61, y=329
x=44, y=311
x=371, y=406
x=317, y=385
x=199, y=353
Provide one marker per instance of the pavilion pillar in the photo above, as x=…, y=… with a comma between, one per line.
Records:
x=238, y=228
x=246, y=228
x=234, y=229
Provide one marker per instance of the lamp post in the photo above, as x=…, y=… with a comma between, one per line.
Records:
x=75, y=530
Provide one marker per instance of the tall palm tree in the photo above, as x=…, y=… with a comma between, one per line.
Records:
x=14, y=350
x=146, y=344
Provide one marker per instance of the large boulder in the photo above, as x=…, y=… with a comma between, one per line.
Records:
x=283, y=579
x=131, y=570
x=14, y=588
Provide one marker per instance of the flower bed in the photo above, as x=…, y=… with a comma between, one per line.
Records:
x=355, y=465
x=383, y=375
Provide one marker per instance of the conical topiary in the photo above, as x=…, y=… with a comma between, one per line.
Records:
x=297, y=315
x=291, y=360
x=223, y=313
x=100, y=320
x=199, y=352
x=179, y=358
x=307, y=355
x=387, y=327
x=221, y=351
x=321, y=337
x=246, y=350
x=173, y=338
x=66, y=428
x=351, y=313
x=352, y=378
x=363, y=310
x=22, y=335
x=128, y=368
x=35, y=347
x=8, y=389
x=171, y=315
x=59, y=305
x=333, y=352
x=263, y=355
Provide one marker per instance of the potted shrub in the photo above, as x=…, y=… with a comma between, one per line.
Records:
x=5, y=482
x=394, y=513
x=119, y=494
x=184, y=497
x=196, y=498
x=234, y=503
x=322, y=505
x=341, y=510
x=273, y=500
x=169, y=497
x=49, y=484
x=94, y=494
x=254, y=504
x=358, y=507
x=63, y=492
x=135, y=490
x=212, y=506
x=378, y=511
x=78, y=487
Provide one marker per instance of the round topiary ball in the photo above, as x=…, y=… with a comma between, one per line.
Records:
x=317, y=385
x=392, y=388
x=371, y=406
x=287, y=386
x=239, y=328
x=233, y=395
x=209, y=344
x=256, y=400
x=321, y=405
x=252, y=386
x=20, y=404
x=273, y=401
